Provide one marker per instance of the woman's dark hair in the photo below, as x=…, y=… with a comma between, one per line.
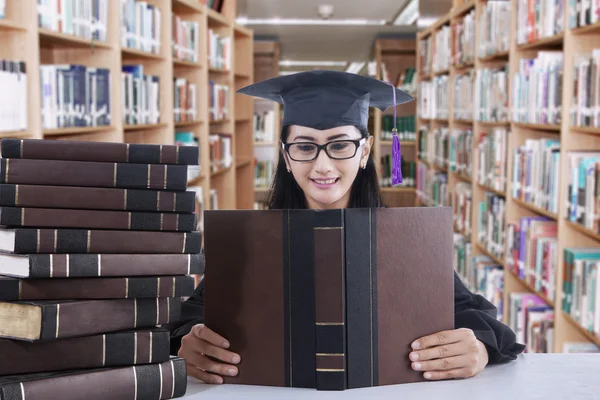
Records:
x=285, y=193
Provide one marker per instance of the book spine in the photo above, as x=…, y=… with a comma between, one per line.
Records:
x=93, y=174
x=97, y=265
x=70, y=150
x=13, y=289
x=96, y=219
x=161, y=381
x=63, y=320
x=330, y=329
x=143, y=346
x=62, y=241
x=92, y=198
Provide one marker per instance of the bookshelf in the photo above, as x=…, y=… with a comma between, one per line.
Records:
x=395, y=61
x=184, y=57
x=520, y=160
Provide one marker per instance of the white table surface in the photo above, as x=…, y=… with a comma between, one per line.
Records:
x=531, y=376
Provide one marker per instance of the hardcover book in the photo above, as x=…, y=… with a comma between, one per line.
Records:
x=334, y=298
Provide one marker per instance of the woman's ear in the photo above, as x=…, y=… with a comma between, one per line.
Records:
x=286, y=159
x=366, y=152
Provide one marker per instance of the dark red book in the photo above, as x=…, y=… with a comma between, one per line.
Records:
x=93, y=174
x=99, y=151
x=157, y=381
x=92, y=198
x=64, y=240
x=341, y=294
x=57, y=319
x=99, y=265
x=96, y=219
x=13, y=289
x=133, y=347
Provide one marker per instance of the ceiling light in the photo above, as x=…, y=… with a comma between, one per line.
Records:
x=409, y=14
x=426, y=22
x=296, y=63
x=356, y=67
x=308, y=21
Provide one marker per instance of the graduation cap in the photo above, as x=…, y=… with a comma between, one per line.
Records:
x=323, y=99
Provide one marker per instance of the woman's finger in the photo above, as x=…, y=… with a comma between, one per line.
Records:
x=192, y=343
x=209, y=365
x=444, y=364
x=201, y=331
x=443, y=351
x=457, y=373
x=203, y=375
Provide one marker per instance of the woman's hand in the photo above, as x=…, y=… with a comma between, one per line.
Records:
x=200, y=343
x=449, y=354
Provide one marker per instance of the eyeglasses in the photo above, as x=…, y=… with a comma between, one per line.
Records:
x=309, y=151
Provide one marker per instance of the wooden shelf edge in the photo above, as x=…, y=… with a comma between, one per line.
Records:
x=139, y=53
x=582, y=229
x=501, y=55
x=531, y=288
x=391, y=189
x=50, y=36
x=188, y=123
x=76, y=130
x=491, y=190
x=594, y=28
x=220, y=172
x=588, y=130
x=188, y=64
x=589, y=335
x=543, y=42
x=12, y=134
x=242, y=163
x=196, y=181
x=459, y=11
x=462, y=177
x=187, y=6
x=216, y=17
x=537, y=127
x=485, y=251
x=535, y=208
x=129, y=128
x=7, y=24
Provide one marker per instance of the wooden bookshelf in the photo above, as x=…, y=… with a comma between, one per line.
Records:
x=395, y=55
x=23, y=40
x=571, y=43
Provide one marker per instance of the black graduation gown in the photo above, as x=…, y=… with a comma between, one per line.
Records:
x=470, y=311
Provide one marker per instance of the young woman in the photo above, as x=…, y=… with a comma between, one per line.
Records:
x=325, y=162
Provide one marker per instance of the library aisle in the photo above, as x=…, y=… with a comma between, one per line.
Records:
x=504, y=129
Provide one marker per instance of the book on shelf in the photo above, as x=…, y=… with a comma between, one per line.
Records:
x=463, y=103
x=264, y=122
x=327, y=273
x=220, y=151
x=432, y=186
x=263, y=173
x=491, y=94
x=140, y=26
x=581, y=287
x=536, y=172
x=75, y=96
x=433, y=98
x=189, y=139
x=425, y=55
x=532, y=321
x=583, y=13
x=442, y=47
x=2, y=9
x=405, y=125
x=537, y=89
x=61, y=259
x=585, y=109
x=491, y=154
x=434, y=145
x=185, y=100
x=582, y=187
x=404, y=80
x=461, y=201
x=86, y=19
x=140, y=96
x=408, y=169
x=491, y=228
x=185, y=39
x=219, y=50
x=463, y=40
x=13, y=97
x=540, y=19
x=494, y=23
x=460, y=154
x=218, y=101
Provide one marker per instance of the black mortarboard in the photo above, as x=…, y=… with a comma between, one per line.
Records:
x=323, y=99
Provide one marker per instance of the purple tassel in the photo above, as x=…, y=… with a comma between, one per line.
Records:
x=396, y=150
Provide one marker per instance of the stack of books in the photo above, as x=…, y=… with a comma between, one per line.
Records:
x=98, y=244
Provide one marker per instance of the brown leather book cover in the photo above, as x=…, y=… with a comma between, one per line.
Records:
x=267, y=296
x=96, y=219
x=68, y=240
x=92, y=198
x=60, y=319
x=13, y=289
x=162, y=381
x=93, y=174
x=75, y=150
x=142, y=346
x=76, y=265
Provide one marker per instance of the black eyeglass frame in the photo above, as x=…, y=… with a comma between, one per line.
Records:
x=357, y=144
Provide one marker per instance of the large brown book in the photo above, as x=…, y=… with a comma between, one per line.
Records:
x=67, y=240
x=57, y=319
x=132, y=347
x=13, y=289
x=334, y=298
x=93, y=198
x=93, y=174
x=96, y=219
x=74, y=150
x=157, y=381
x=99, y=265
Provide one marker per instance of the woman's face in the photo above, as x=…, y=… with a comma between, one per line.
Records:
x=326, y=181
